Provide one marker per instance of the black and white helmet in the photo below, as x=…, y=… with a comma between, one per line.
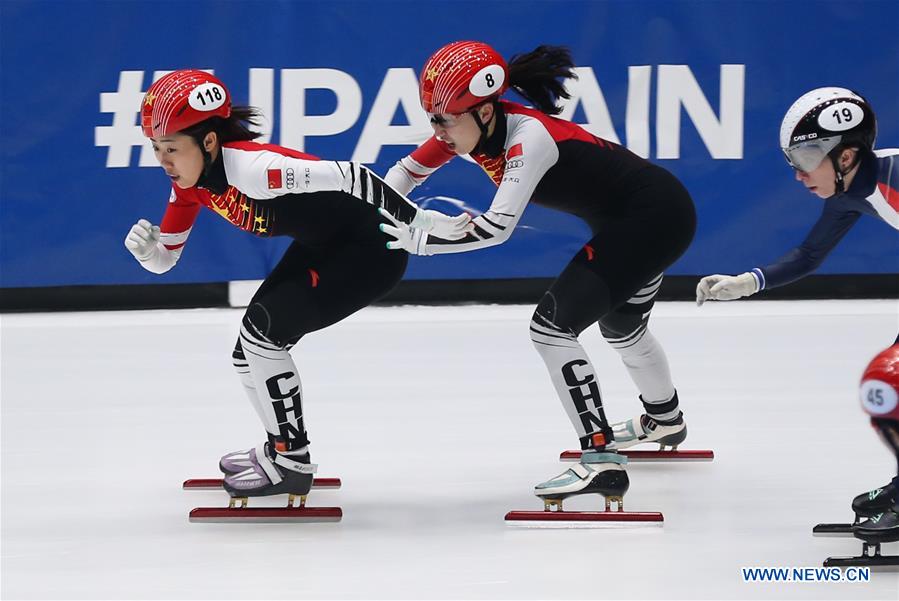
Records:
x=823, y=119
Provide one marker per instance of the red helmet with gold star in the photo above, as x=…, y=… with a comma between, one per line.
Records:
x=182, y=99
x=879, y=391
x=460, y=76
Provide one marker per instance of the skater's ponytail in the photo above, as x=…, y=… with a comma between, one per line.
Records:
x=535, y=75
x=236, y=128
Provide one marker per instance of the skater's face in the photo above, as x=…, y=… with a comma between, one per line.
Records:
x=181, y=158
x=461, y=132
x=821, y=181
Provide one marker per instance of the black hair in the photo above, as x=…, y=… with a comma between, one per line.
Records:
x=535, y=75
x=235, y=128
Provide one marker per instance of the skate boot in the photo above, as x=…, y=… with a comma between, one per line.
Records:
x=871, y=503
x=645, y=428
x=596, y=472
x=881, y=528
x=272, y=473
x=238, y=461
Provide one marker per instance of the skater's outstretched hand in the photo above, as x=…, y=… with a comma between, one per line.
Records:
x=410, y=239
x=726, y=287
x=443, y=226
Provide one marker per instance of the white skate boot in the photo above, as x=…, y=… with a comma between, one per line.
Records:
x=644, y=428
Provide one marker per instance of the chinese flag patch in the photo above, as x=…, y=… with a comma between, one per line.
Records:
x=274, y=179
x=515, y=151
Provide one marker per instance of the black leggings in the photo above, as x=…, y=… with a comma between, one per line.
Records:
x=627, y=250
x=313, y=288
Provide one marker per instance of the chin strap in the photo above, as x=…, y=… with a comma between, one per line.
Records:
x=207, y=161
x=840, y=184
x=483, y=127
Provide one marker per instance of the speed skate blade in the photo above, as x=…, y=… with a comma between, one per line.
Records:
x=583, y=519
x=875, y=562
x=650, y=455
x=216, y=483
x=266, y=515
x=832, y=530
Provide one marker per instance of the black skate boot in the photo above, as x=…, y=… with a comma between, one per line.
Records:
x=877, y=501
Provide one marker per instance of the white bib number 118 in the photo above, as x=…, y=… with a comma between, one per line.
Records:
x=207, y=97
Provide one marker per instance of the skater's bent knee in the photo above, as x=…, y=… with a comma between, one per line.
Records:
x=544, y=326
x=258, y=326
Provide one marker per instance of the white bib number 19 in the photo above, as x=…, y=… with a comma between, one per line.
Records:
x=841, y=116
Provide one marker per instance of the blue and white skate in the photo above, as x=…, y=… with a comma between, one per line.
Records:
x=602, y=473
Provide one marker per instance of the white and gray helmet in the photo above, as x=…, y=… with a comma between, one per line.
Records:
x=823, y=119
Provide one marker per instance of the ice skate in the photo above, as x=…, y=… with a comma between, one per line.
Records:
x=865, y=505
x=269, y=474
x=601, y=473
x=644, y=428
x=875, y=501
x=272, y=474
x=878, y=529
x=597, y=472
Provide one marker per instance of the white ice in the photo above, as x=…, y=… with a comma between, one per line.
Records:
x=439, y=420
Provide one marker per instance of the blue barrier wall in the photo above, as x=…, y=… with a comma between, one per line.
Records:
x=699, y=87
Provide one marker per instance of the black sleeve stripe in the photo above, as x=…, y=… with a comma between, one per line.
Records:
x=363, y=184
x=441, y=241
x=484, y=234
x=383, y=196
x=496, y=225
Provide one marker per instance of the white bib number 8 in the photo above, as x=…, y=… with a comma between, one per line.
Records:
x=487, y=81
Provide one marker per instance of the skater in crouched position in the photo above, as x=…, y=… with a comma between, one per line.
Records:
x=827, y=137
x=879, y=396
x=642, y=219
x=336, y=265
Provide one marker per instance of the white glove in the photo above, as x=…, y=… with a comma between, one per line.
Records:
x=142, y=240
x=410, y=239
x=726, y=287
x=441, y=225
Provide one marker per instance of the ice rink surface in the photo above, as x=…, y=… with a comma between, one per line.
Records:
x=439, y=420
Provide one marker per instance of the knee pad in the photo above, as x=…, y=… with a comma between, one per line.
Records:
x=258, y=323
x=623, y=327
x=260, y=328
x=544, y=323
